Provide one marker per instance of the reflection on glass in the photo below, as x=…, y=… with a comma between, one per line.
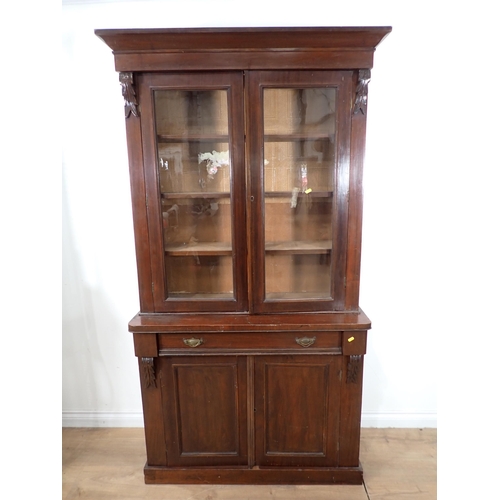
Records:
x=194, y=176
x=299, y=146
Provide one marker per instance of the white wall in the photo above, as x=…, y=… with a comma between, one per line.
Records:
x=427, y=167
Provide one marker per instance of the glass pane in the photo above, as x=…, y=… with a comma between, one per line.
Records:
x=299, y=146
x=194, y=175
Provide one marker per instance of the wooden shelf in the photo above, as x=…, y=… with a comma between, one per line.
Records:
x=272, y=247
x=298, y=137
x=289, y=194
x=196, y=194
x=167, y=138
x=202, y=296
x=227, y=194
x=298, y=296
x=299, y=247
x=209, y=248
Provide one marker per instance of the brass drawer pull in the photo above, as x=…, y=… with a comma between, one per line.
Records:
x=305, y=341
x=193, y=342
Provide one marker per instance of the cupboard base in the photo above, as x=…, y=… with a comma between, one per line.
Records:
x=256, y=475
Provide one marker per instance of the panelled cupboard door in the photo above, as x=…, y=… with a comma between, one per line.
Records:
x=205, y=407
x=193, y=160
x=297, y=410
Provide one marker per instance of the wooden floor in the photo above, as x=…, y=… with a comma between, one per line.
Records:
x=102, y=464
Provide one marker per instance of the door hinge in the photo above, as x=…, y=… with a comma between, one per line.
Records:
x=153, y=287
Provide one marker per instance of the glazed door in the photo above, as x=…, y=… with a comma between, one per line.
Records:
x=297, y=410
x=299, y=133
x=193, y=136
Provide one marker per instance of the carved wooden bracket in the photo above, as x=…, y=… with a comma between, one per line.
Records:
x=148, y=371
x=362, y=91
x=128, y=92
x=353, y=369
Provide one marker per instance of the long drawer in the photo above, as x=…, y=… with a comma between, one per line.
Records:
x=207, y=343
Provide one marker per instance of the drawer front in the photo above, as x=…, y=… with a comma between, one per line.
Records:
x=250, y=342
x=354, y=343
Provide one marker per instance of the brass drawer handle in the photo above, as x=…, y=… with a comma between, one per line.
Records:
x=193, y=342
x=305, y=341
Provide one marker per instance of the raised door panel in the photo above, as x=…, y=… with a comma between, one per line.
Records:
x=204, y=402
x=297, y=410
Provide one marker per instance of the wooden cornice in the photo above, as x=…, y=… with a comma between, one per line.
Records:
x=242, y=48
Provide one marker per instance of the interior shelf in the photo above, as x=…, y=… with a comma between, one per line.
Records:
x=298, y=296
x=202, y=296
x=197, y=194
x=288, y=194
x=286, y=137
x=299, y=247
x=200, y=248
x=298, y=137
x=168, y=138
x=218, y=248
x=226, y=194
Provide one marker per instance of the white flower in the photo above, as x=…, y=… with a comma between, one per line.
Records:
x=215, y=160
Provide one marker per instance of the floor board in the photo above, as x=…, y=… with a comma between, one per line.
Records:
x=103, y=464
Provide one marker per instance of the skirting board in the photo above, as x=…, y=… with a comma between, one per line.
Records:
x=135, y=419
x=102, y=419
x=399, y=419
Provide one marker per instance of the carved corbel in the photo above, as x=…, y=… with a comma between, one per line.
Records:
x=353, y=369
x=361, y=99
x=128, y=92
x=148, y=372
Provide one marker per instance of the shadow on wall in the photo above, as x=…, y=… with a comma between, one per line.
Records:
x=99, y=371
